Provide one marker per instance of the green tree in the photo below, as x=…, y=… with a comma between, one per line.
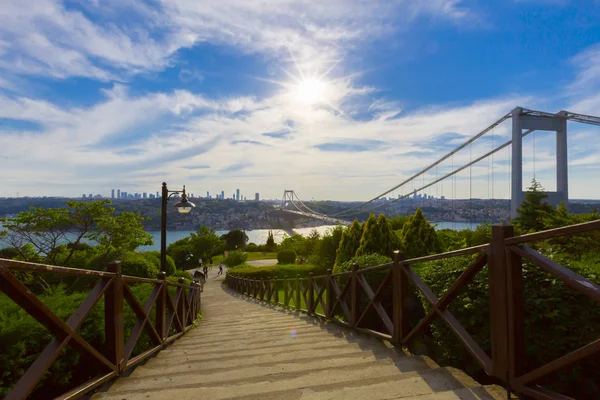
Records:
x=377, y=237
x=399, y=221
x=205, y=244
x=534, y=210
x=418, y=236
x=349, y=243
x=310, y=243
x=270, y=246
x=235, y=239
x=121, y=233
x=182, y=252
x=295, y=242
x=326, y=250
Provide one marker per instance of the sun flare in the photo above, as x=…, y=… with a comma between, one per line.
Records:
x=310, y=90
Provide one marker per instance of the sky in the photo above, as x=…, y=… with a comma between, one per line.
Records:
x=336, y=99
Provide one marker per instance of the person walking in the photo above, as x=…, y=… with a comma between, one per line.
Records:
x=205, y=269
x=220, y=270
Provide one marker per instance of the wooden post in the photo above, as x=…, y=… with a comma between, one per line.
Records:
x=354, y=296
x=286, y=298
x=506, y=307
x=161, y=307
x=297, y=301
x=329, y=295
x=310, y=294
x=113, y=317
x=181, y=305
x=399, y=299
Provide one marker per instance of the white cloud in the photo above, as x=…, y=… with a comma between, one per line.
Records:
x=88, y=39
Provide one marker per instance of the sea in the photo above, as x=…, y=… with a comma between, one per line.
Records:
x=259, y=236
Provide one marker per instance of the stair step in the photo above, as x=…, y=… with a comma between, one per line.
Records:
x=358, y=382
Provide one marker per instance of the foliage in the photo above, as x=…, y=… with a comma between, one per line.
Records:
x=398, y=222
x=188, y=278
x=182, y=253
x=235, y=258
x=364, y=261
x=251, y=247
x=310, y=243
x=378, y=237
x=275, y=271
x=558, y=320
x=286, y=256
x=296, y=242
x=270, y=245
x=154, y=258
x=9, y=253
x=235, y=239
x=534, y=210
x=418, y=236
x=205, y=244
x=49, y=229
x=326, y=250
x=349, y=243
x=137, y=264
x=450, y=239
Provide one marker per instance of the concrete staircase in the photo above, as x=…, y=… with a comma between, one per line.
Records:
x=243, y=349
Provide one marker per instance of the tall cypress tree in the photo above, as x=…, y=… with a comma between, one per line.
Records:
x=349, y=243
x=418, y=236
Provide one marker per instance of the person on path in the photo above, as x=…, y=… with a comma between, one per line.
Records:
x=220, y=270
x=205, y=269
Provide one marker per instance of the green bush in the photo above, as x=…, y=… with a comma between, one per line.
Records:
x=275, y=271
x=558, y=321
x=136, y=264
x=366, y=261
x=182, y=274
x=286, y=256
x=154, y=258
x=235, y=258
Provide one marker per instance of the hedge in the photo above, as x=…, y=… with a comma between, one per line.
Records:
x=275, y=271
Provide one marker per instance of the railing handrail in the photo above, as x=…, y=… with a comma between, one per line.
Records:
x=37, y=267
x=556, y=232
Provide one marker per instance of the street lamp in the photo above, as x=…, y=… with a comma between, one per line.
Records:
x=183, y=206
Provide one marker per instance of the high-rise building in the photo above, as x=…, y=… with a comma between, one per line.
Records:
x=123, y=195
x=83, y=196
x=151, y=196
x=237, y=194
x=145, y=195
x=256, y=197
x=207, y=194
x=233, y=197
x=118, y=193
x=222, y=194
x=112, y=193
x=157, y=196
x=91, y=195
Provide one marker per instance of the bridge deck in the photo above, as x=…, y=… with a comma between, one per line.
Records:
x=246, y=350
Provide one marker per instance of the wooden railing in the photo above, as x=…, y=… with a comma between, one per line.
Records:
x=174, y=314
x=339, y=296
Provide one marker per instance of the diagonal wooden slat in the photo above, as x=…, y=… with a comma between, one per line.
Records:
x=39, y=367
x=339, y=294
x=464, y=279
x=172, y=315
x=374, y=303
x=22, y=296
x=319, y=296
x=143, y=318
x=563, y=362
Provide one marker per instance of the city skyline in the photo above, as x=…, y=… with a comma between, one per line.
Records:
x=337, y=100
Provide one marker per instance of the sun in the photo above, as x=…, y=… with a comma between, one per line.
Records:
x=309, y=90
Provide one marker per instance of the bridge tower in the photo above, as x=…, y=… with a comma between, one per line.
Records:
x=543, y=122
x=288, y=195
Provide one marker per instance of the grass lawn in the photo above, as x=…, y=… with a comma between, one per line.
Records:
x=292, y=304
x=254, y=255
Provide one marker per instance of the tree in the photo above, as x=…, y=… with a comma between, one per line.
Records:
x=399, y=221
x=377, y=237
x=418, y=236
x=295, y=242
x=534, y=210
x=270, y=246
x=122, y=233
x=183, y=253
x=310, y=243
x=46, y=229
x=349, y=243
x=204, y=243
x=235, y=239
x=326, y=250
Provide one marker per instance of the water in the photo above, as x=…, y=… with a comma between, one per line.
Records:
x=259, y=236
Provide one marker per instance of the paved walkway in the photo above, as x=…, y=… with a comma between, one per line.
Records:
x=243, y=349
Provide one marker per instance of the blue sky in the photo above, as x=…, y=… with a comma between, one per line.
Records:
x=338, y=100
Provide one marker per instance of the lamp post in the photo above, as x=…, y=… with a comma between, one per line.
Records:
x=184, y=206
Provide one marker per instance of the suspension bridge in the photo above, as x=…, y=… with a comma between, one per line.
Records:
x=524, y=123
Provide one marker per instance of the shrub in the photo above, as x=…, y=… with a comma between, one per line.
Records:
x=235, y=258
x=183, y=274
x=558, y=320
x=252, y=247
x=366, y=261
x=274, y=271
x=287, y=256
x=136, y=264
